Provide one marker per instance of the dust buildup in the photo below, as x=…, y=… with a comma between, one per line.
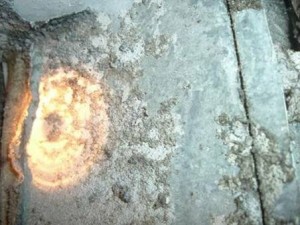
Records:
x=290, y=69
x=235, y=134
x=259, y=160
x=122, y=192
x=287, y=205
x=239, y=5
x=134, y=173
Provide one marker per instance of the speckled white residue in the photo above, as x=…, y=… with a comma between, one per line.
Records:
x=159, y=153
x=104, y=20
x=154, y=134
x=126, y=91
x=133, y=54
x=219, y=220
x=99, y=42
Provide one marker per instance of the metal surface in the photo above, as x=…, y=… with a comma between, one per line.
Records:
x=198, y=126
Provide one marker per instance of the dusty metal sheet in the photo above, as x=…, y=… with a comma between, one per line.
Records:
x=264, y=100
x=176, y=109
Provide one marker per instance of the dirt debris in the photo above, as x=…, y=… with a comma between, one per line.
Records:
x=140, y=145
x=234, y=133
x=263, y=184
x=239, y=5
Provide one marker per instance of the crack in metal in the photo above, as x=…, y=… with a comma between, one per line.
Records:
x=246, y=108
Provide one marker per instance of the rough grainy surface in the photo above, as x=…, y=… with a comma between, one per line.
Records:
x=287, y=205
x=235, y=134
x=268, y=128
x=40, y=10
x=129, y=56
x=295, y=17
x=289, y=67
x=278, y=21
x=12, y=32
x=134, y=180
x=239, y=5
x=181, y=145
x=17, y=67
x=131, y=181
x=12, y=153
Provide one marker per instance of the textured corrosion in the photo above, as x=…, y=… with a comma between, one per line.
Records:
x=18, y=98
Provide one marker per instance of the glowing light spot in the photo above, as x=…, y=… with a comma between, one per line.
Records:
x=69, y=130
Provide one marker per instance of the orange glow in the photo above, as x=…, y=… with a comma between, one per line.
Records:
x=69, y=130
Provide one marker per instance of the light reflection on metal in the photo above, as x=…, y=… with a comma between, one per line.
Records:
x=69, y=130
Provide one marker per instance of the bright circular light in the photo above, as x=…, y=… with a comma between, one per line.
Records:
x=69, y=130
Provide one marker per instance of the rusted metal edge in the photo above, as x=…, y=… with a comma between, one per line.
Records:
x=17, y=100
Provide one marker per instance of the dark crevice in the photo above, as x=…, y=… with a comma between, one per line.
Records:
x=245, y=104
x=2, y=98
x=293, y=29
x=287, y=97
